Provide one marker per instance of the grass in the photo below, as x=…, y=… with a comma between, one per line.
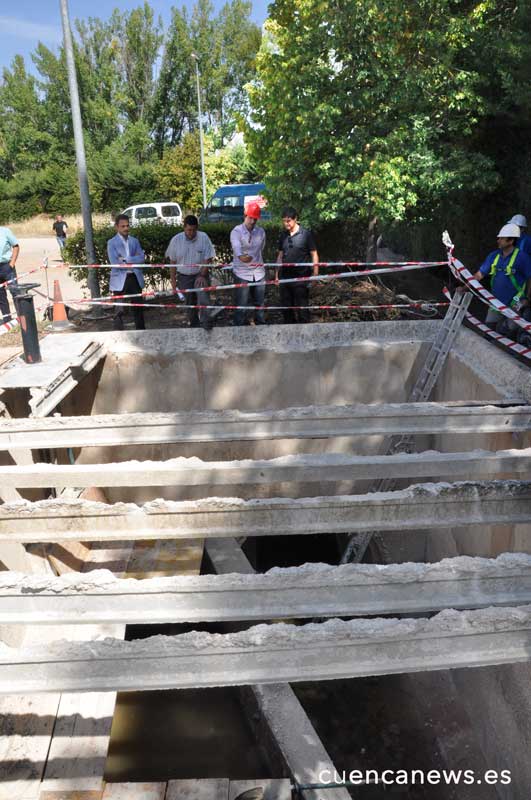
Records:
x=41, y=225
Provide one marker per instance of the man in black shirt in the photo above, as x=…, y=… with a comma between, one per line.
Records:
x=296, y=245
x=60, y=227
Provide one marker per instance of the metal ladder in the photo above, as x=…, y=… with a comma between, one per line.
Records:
x=359, y=542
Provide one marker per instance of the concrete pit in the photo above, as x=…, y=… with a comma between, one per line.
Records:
x=477, y=719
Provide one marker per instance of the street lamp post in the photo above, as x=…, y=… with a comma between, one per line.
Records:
x=92, y=278
x=203, y=177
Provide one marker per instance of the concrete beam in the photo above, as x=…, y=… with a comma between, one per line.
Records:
x=290, y=727
x=272, y=653
x=298, y=423
x=426, y=506
x=286, y=469
x=63, y=366
x=314, y=590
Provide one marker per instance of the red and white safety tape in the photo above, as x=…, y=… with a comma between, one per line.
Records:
x=424, y=305
x=225, y=286
x=507, y=343
x=483, y=294
x=270, y=265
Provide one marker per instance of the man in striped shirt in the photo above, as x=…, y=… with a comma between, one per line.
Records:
x=188, y=250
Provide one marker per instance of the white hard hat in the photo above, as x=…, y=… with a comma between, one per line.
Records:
x=510, y=230
x=519, y=220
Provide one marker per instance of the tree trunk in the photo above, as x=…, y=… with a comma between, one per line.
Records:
x=372, y=238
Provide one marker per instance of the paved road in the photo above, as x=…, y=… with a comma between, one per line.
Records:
x=32, y=253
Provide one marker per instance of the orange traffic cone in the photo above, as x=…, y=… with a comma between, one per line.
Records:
x=60, y=319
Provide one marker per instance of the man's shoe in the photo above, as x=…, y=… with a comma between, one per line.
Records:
x=525, y=339
x=207, y=325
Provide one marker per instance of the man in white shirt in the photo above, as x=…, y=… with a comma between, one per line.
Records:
x=247, y=242
x=189, y=249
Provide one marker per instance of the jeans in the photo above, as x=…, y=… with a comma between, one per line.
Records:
x=7, y=273
x=242, y=296
x=294, y=294
x=195, y=298
x=131, y=286
x=61, y=241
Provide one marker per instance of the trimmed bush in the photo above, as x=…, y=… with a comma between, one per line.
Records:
x=335, y=242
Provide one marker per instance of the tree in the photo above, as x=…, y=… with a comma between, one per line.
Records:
x=369, y=108
x=226, y=48
x=179, y=171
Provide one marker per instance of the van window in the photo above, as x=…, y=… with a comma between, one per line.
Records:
x=146, y=212
x=128, y=212
x=170, y=211
x=233, y=201
x=216, y=202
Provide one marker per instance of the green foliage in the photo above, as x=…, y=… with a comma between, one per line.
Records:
x=178, y=174
x=226, y=47
x=130, y=116
x=380, y=104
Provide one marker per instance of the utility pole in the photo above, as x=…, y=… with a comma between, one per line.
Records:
x=92, y=278
x=203, y=177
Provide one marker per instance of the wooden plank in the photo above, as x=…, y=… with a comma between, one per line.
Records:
x=301, y=468
x=424, y=506
x=134, y=791
x=274, y=653
x=274, y=789
x=205, y=789
x=314, y=422
x=26, y=725
x=78, y=750
x=307, y=591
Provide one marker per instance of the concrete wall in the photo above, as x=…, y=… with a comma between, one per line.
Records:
x=253, y=369
x=497, y=699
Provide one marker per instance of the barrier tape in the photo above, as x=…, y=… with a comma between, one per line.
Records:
x=509, y=344
x=424, y=305
x=225, y=286
x=268, y=264
x=460, y=271
x=5, y=327
x=24, y=275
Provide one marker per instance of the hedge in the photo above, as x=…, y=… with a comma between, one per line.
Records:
x=335, y=242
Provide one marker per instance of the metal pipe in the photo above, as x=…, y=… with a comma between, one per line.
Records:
x=201, y=148
x=28, y=326
x=92, y=279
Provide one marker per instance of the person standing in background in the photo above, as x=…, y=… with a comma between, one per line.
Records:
x=296, y=245
x=60, y=227
x=126, y=279
x=192, y=252
x=247, y=242
x=9, y=250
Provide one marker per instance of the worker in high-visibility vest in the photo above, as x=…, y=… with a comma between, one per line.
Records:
x=524, y=242
x=510, y=271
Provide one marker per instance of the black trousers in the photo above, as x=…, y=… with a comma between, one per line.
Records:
x=7, y=273
x=131, y=286
x=294, y=294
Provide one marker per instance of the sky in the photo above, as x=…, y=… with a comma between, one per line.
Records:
x=26, y=22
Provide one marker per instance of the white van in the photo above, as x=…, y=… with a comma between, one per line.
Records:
x=166, y=212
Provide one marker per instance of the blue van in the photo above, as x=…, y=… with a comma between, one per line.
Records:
x=227, y=204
